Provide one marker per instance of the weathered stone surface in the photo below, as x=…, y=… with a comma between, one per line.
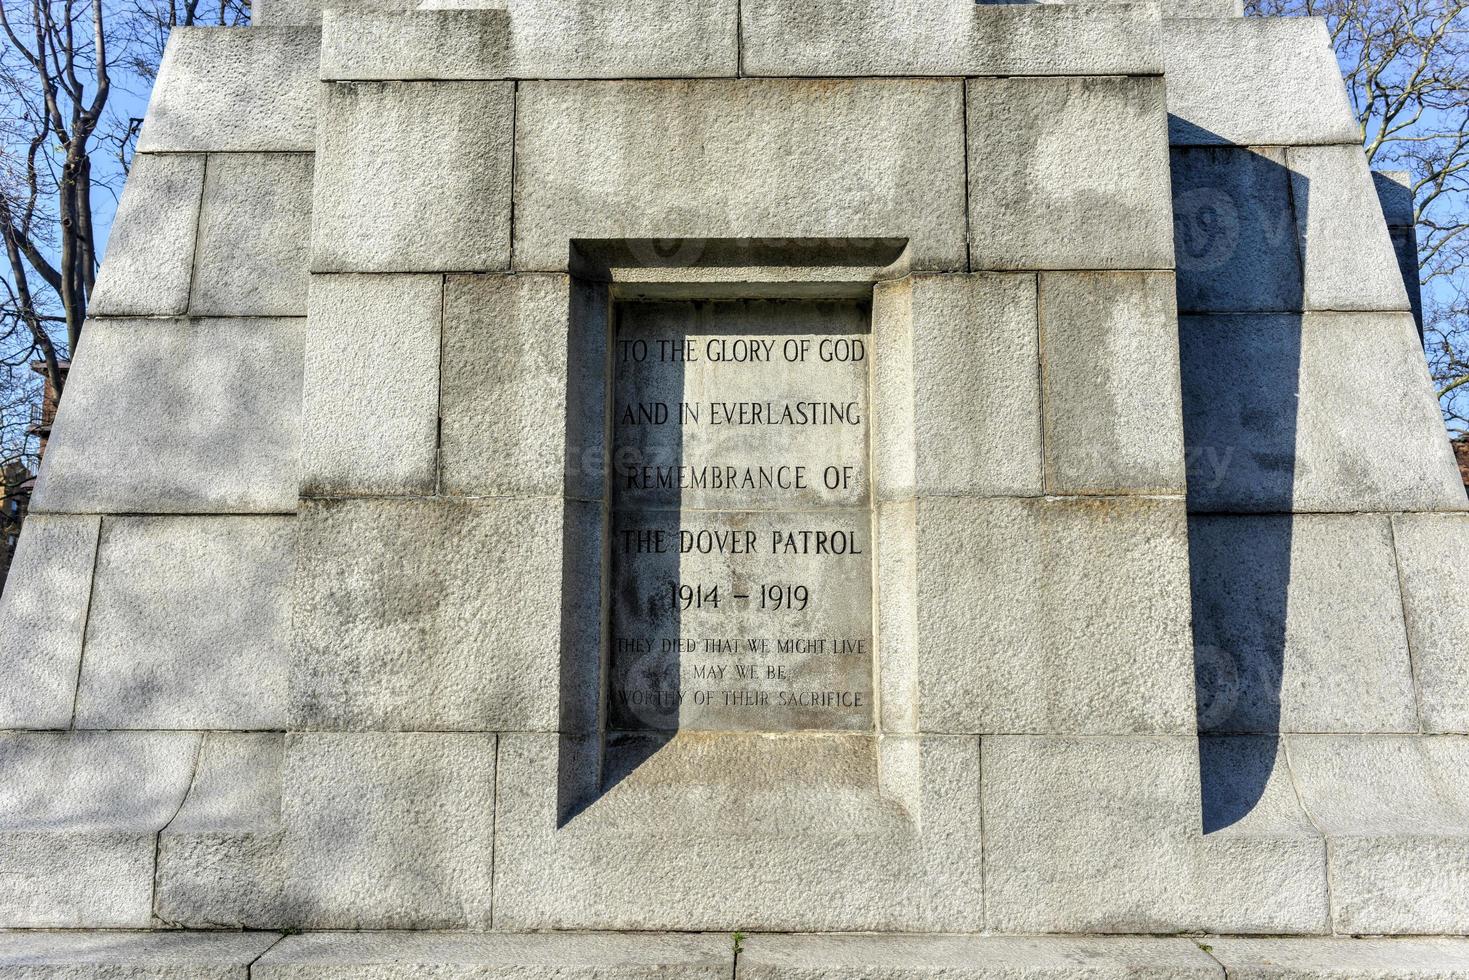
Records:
x=1247, y=791
x=189, y=624
x=1345, y=250
x=1395, y=196
x=881, y=37
x=42, y=617
x=1075, y=174
x=877, y=158
x=971, y=958
x=254, y=236
x=221, y=861
x=1397, y=813
x=1298, y=625
x=433, y=615
x=1053, y=616
x=956, y=386
x=1203, y=8
x=361, y=809
x=1431, y=552
x=86, y=955
x=631, y=849
x=561, y=956
x=413, y=177
x=1113, y=413
x=1341, y=959
x=150, y=249
x=1326, y=412
x=1234, y=236
x=119, y=444
x=524, y=386
x=1102, y=835
x=1255, y=81
x=79, y=817
x=234, y=89
x=371, y=409
x=447, y=44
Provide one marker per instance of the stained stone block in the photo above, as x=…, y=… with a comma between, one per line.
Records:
x=150, y=249
x=189, y=624
x=1234, y=236
x=955, y=386
x=42, y=617
x=1103, y=835
x=1113, y=414
x=1052, y=615
x=1341, y=958
x=1435, y=578
x=221, y=861
x=971, y=958
x=86, y=955
x=1255, y=81
x=413, y=177
x=371, y=410
x=1075, y=174
x=819, y=832
x=880, y=37
x=753, y=159
x=423, y=44
x=524, y=386
x=561, y=956
x=254, y=231
x=1298, y=625
x=79, y=818
x=1345, y=250
x=222, y=88
x=1396, y=811
x=395, y=600
x=1327, y=412
x=361, y=808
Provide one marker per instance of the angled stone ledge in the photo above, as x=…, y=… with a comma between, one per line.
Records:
x=150, y=249
x=1435, y=578
x=1341, y=958
x=42, y=618
x=94, y=955
x=1075, y=174
x=1255, y=81
x=234, y=88
x=885, y=37
x=178, y=416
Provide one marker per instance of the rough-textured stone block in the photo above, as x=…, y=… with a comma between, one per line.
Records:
x=563, y=956
x=1433, y=562
x=189, y=624
x=221, y=861
x=1298, y=625
x=524, y=386
x=886, y=37
x=150, y=249
x=1395, y=196
x=1053, y=616
x=1074, y=175
x=42, y=617
x=1113, y=413
x=170, y=416
x=971, y=958
x=413, y=177
x=1341, y=959
x=955, y=380
x=254, y=236
x=1255, y=81
x=390, y=830
x=1326, y=412
x=1396, y=811
x=79, y=819
x=1103, y=835
x=447, y=615
x=1234, y=235
x=821, y=832
x=234, y=89
x=1345, y=250
x=877, y=158
x=371, y=392
x=84, y=955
